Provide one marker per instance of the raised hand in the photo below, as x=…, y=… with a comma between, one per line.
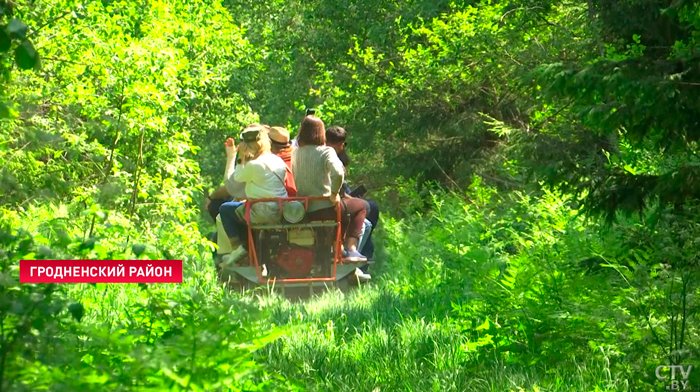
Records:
x=230, y=146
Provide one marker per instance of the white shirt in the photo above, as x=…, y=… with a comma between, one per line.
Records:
x=263, y=177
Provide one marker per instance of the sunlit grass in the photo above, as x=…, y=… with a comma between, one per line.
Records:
x=372, y=340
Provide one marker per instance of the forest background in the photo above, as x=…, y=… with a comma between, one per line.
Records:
x=536, y=162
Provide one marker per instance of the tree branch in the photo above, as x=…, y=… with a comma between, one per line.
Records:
x=36, y=30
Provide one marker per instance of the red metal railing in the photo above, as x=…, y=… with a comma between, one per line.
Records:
x=252, y=252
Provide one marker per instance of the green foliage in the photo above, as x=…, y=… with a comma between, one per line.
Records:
x=102, y=163
x=125, y=101
x=13, y=33
x=124, y=337
x=413, y=82
x=528, y=280
x=596, y=98
x=487, y=283
x=550, y=114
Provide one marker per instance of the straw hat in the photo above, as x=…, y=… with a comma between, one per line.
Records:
x=279, y=135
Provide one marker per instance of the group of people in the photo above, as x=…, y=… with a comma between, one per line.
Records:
x=267, y=164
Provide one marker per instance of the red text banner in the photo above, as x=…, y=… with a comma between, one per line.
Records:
x=100, y=271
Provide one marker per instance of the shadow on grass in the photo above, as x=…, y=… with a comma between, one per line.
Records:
x=383, y=337
x=376, y=339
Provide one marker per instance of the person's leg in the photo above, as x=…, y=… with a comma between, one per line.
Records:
x=373, y=214
x=235, y=228
x=364, y=235
x=230, y=220
x=368, y=249
x=365, y=240
x=357, y=211
x=373, y=218
x=214, y=206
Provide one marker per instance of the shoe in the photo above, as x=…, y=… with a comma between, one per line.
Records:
x=362, y=276
x=353, y=257
x=344, y=255
x=232, y=257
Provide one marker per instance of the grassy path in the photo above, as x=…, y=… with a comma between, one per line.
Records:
x=377, y=339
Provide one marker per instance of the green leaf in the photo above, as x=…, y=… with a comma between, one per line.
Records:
x=4, y=111
x=5, y=41
x=77, y=310
x=180, y=380
x=138, y=249
x=18, y=308
x=96, y=379
x=486, y=325
x=17, y=29
x=88, y=244
x=6, y=8
x=26, y=56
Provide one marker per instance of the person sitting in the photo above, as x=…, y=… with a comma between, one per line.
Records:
x=215, y=200
x=366, y=246
x=282, y=147
x=319, y=173
x=263, y=175
x=336, y=137
x=228, y=192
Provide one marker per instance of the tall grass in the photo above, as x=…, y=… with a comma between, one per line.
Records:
x=378, y=340
x=195, y=336
x=491, y=292
x=483, y=292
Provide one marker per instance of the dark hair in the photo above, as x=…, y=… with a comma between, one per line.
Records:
x=336, y=135
x=344, y=158
x=312, y=132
